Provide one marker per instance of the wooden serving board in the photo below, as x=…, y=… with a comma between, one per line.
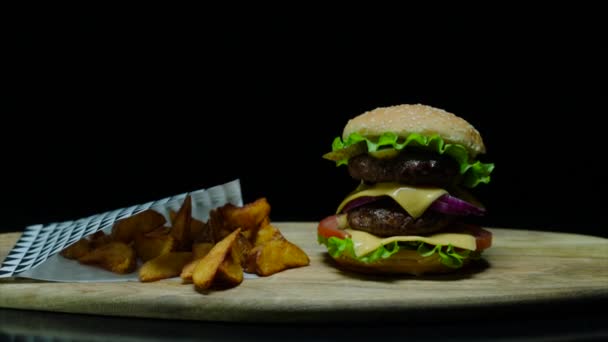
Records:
x=522, y=267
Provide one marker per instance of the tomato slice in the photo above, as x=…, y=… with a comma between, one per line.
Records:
x=330, y=226
x=483, y=237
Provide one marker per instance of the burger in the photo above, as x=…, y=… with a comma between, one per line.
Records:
x=411, y=212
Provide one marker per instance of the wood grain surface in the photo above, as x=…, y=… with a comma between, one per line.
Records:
x=522, y=268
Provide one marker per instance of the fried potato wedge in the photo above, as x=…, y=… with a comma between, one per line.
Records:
x=188, y=271
x=199, y=230
x=99, y=239
x=230, y=272
x=164, y=266
x=206, y=268
x=267, y=233
x=216, y=225
x=247, y=217
x=77, y=250
x=180, y=229
x=115, y=256
x=160, y=231
x=251, y=234
x=128, y=228
x=241, y=247
x=150, y=246
x=275, y=256
x=199, y=250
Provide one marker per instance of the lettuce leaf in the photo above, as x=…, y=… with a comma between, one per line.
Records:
x=337, y=247
x=448, y=255
x=474, y=172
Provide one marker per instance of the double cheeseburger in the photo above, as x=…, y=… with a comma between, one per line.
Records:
x=414, y=164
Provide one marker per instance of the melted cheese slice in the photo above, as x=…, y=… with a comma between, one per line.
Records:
x=365, y=243
x=414, y=200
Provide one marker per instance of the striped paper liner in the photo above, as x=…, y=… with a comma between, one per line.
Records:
x=40, y=242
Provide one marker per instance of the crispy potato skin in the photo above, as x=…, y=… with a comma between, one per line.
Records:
x=247, y=217
x=206, y=268
x=199, y=250
x=276, y=256
x=181, y=226
x=164, y=266
x=116, y=256
x=230, y=272
x=150, y=246
x=128, y=228
x=77, y=250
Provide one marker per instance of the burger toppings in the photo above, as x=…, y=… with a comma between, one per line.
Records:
x=365, y=242
x=451, y=205
x=359, y=201
x=414, y=200
x=333, y=226
x=451, y=247
x=445, y=204
x=473, y=171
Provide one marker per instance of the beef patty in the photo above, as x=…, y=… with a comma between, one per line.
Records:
x=413, y=168
x=387, y=218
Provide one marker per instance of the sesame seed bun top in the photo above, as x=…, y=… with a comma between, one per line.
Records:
x=425, y=120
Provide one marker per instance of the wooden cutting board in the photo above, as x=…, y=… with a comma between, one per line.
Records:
x=522, y=268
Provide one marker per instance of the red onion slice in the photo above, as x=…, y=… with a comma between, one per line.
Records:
x=445, y=204
x=359, y=201
x=451, y=205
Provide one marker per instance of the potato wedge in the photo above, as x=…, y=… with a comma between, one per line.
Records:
x=172, y=215
x=149, y=246
x=128, y=228
x=115, y=256
x=199, y=250
x=160, y=231
x=251, y=234
x=217, y=225
x=164, y=266
x=77, y=250
x=181, y=226
x=246, y=217
x=99, y=239
x=188, y=271
x=275, y=256
x=242, y=246
x=230, y=272
x=267, y=233
x=205, y=270
x=199, y=230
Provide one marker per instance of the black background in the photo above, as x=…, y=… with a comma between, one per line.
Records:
x=106, y=112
